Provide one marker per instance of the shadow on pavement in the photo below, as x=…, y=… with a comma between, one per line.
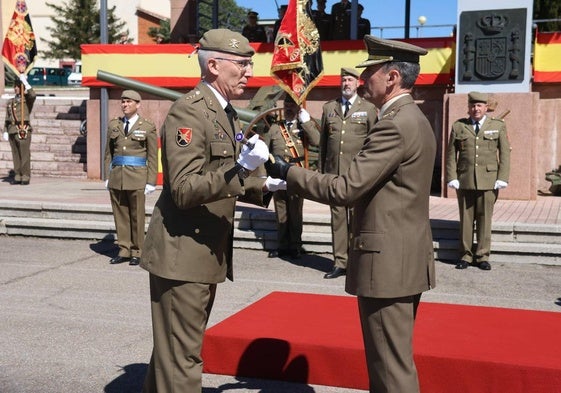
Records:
x=130, y=381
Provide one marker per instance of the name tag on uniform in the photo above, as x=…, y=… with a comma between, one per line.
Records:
x=139, y=133
x=490, y=132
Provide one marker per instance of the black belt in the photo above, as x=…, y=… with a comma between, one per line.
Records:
x=296, y=159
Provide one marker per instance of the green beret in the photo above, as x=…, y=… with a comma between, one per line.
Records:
x=227, y=41
x=350, y=72
x=131, y=95
x=475, y=96
x=382, y=51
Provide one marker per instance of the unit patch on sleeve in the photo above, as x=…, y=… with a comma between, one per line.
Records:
x=184, y=136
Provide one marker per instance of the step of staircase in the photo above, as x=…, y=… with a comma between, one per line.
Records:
x=256, y=229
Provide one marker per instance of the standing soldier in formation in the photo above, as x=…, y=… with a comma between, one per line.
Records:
x=287, y=139
x=341, y=20
x=131, y=168
x=253, y=31
x=19, y=129
x=477, y=167
x=344, y=124
x=322, y=21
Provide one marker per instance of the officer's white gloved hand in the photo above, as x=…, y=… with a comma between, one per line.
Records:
x=499, y=184
x=5, y=135
x=251, y=158
x=149, y=189
x=303, y=115
x=455, y=184
x=23, y=79
x=107, y=184
x=275, y=184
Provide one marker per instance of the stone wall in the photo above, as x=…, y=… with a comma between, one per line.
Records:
x=58, y=149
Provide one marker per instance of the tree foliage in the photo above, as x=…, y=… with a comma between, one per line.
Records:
x=161, y=34
x=76, y=22
x=547, y=9
x=230, y=15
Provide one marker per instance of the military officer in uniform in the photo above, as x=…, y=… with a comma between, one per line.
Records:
x=253, y=31
x=341, y=20
x=388, y=185
x=287, y=139
x=19, y=129
x=477, y=166
x=188, y=248
x=345, y=122
x=322, y=21
x=131, y=167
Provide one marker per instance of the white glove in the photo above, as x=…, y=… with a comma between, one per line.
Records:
x=149, y=189
x=275, y=184
x=455, y=184
x=23, y=79
x=252, y=158
x=107, y=184
x=5, y=135
x=303, y=115
x=499, y=184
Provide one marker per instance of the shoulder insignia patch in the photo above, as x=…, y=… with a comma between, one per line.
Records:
x=184, y=136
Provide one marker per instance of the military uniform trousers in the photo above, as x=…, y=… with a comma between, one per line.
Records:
x=21, y=156
x=340, y=224
x=288, y=209
x=129, y=214
x=387, y=331
x=476, y=206
x=180, y=312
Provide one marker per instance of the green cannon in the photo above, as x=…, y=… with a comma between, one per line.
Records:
x=264, y=100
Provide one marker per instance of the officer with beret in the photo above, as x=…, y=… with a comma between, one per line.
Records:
x=391, y=260
x=253, y=31
x=477, y=167
x=345, y=122
x=188, y=248
x=18, y=128
x=289, y=139
x=131, y=168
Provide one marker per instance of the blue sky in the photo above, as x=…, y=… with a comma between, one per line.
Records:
x=384, y=14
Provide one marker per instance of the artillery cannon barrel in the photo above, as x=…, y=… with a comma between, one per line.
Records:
x=245, y=115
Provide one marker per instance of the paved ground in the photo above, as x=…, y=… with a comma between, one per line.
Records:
x=70, y=322
x=542, y=210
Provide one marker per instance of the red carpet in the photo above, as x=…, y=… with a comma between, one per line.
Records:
x=316, y=339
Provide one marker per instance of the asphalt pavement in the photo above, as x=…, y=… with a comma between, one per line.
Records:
x=70, y=322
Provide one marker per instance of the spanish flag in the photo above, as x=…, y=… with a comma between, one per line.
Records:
x=297, y=64
x=19, y=48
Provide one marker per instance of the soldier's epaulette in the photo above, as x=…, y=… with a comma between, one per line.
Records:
x=389, y=115
x=192, y=95
x=498, y=119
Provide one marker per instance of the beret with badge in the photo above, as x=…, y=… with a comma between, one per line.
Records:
x=475, y=96
x=346, y=71
x=383, y=51
x=226, y=41
x=131, y=95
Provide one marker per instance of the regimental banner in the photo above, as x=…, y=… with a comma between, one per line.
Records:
x=547, y=58
x=19, y=47
x=297, y=64
x=144, y=63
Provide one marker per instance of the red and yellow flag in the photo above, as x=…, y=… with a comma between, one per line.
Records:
x=19, y=48
x=297, y=64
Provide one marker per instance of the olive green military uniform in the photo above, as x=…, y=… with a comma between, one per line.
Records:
x=131, y=162
x=188, y=248
x=477, y=161
x=20, y=139
x=289, y=207
x=341, y=138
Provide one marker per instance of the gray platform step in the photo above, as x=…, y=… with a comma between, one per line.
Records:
x=256, y=229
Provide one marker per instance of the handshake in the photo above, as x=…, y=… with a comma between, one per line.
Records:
x=254, y=153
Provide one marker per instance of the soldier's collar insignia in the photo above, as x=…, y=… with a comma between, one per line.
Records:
x=234, y=44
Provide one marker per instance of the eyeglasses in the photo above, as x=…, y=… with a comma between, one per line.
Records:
x=243, y=64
